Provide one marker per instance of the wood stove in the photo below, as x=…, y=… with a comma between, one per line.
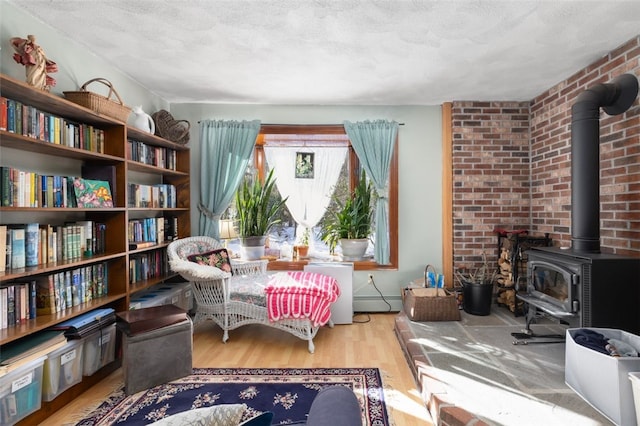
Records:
x=580, y=285
x=584, y=289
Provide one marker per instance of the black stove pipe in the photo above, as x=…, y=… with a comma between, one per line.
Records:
x=615, y=98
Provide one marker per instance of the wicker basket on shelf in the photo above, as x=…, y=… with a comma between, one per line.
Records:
x=171, y=129
x=100, y=104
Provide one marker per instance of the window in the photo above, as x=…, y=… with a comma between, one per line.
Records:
x=302, y=140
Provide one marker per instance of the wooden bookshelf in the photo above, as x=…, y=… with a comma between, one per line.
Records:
x=117, y=255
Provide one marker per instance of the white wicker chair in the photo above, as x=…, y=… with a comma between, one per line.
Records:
x=212, y=288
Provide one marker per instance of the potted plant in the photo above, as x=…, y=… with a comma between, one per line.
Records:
x=477, y=288
x=303, y=245
x=257, y=213
x=350, y=225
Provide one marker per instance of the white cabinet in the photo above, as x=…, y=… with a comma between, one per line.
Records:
x=342, y=309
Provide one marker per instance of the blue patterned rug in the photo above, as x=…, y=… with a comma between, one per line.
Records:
x=288, y=393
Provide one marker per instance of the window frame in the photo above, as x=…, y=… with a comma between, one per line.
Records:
x=302, y=129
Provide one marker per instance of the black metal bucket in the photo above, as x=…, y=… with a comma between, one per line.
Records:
x=477, y=298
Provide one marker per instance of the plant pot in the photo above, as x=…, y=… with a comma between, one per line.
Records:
x=477, y=298
x=303, y=251
x=354, y=249
x=252, y=248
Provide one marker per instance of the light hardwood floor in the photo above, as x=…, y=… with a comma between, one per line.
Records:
x=369, y=342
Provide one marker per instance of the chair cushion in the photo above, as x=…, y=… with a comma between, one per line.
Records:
x=218, y=258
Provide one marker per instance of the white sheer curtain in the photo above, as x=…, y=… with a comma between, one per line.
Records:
x=308, y=197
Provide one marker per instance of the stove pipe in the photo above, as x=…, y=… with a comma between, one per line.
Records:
x=615, y=98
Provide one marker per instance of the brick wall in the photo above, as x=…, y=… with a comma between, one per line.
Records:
x=619, y=152
x=490, y=176
x=512, y=166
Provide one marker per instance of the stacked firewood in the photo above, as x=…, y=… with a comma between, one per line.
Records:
x=506, y=286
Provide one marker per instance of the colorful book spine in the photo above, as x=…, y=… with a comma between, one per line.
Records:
x=46, y=295
x=68, y=290
x=18, y=248
x=32, y=244
x=11, y=115
x=3, y=113
x=3, y=248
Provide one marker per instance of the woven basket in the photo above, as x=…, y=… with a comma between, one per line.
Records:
x=430, y=304
x=422, y=303
x=171, y=129
x=100, y=104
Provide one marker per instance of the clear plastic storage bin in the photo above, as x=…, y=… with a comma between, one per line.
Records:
x=21, y=392
x=62, y=369
x=99, y=349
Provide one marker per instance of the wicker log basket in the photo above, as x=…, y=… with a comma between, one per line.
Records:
x=430, y=304
x=100, y=104
x=171, y=129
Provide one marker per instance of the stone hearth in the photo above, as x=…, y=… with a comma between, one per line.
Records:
x=469, y=372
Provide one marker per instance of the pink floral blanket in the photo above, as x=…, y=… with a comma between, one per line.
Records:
x=300, y=294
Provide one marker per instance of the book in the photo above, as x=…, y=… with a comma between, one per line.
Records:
x=17, y=247
x=100, y=172
x=32, y=299
x=86, y=237
x=11, y=305
x=3, y=113
x=3, y=248
x=160, y=230
x=60, y=291
x=85, y=324
x=143, y=320
x=92, y=193
x=8, y=249
x=22, y=296
x=75, y=288
x=42, y=250
x=11, y=115
x=67, y=291
x=3, y=307
x=32, y=244
x=135, y=245
x=45, y=295
x=6, y=186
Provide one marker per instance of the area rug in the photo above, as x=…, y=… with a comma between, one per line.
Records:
x=287, y=393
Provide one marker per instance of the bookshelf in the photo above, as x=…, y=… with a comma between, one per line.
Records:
x=110, y=160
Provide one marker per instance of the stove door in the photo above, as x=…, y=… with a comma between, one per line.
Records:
x=553, y=283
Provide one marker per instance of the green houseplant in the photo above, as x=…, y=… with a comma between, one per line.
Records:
x=351, y=223
x=257, y=213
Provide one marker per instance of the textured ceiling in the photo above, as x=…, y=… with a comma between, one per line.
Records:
x=366, y=52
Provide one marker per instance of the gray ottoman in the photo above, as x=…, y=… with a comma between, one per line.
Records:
x=158, y=356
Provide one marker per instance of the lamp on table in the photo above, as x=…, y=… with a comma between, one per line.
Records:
x=227, y=231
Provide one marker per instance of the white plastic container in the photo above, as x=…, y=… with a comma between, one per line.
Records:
x=99, y=349
x=62, y=369
x=603, y=380
x=178, y=294
x=187, y=295
x=21, y=392
x=635, y=386
x=148, y=300
x=172, y=294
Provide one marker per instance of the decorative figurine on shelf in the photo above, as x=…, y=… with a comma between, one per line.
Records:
x=32, y=56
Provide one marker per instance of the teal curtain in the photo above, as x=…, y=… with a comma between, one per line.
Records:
x=373, y=142
x=225, y=149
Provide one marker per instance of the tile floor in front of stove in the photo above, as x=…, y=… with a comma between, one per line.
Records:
x=475, y=365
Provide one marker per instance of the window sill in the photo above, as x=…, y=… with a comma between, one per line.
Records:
x=298, y=265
